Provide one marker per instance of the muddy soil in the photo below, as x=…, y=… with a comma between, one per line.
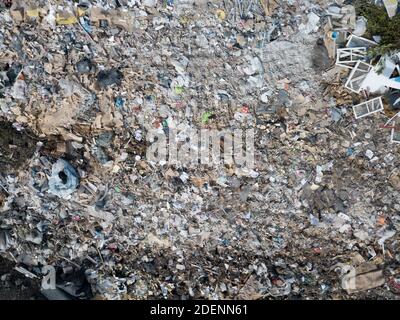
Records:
x=16, y=147
x=14, y=285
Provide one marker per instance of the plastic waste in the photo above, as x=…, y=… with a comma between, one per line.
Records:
x=361, y=26
x=64, y=179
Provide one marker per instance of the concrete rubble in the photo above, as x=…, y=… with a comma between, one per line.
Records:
x=84, y=214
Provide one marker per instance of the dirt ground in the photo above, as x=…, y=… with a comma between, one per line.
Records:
x=15, y=147
x=14, y=285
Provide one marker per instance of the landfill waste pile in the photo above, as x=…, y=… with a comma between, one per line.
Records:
x=85, y=213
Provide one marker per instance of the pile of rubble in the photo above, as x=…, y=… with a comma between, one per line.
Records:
x=85, y=213
x=371, y=75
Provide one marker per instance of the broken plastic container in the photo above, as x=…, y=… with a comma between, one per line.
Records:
x=64, y=179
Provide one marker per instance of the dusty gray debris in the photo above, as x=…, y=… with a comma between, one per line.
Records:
x=107, y=78
x=320, y=58
x=84, y=66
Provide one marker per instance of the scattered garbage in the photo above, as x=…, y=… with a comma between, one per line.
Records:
x=373, y=71
x=308, y=89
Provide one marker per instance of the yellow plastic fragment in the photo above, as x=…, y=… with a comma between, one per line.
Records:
x=32, y=13
x=220, y=14
x=184, y=20
x=63, y=20
x=178, y=89
x=81, y=12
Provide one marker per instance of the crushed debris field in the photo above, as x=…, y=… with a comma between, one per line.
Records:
x=105, y=189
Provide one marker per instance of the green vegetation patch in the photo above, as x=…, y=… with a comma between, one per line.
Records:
x=380, y=24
